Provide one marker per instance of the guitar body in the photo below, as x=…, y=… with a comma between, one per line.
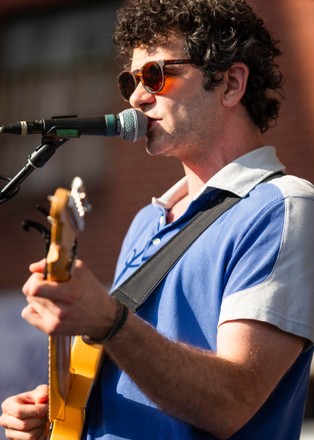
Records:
x=84, y=366
x=73, y=367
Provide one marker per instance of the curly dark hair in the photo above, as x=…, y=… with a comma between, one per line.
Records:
x=218, y=33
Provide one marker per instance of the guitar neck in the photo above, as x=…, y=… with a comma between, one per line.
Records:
x=72, y=367
x=58, y=266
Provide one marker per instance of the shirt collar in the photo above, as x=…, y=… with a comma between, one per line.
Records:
x=238, y=177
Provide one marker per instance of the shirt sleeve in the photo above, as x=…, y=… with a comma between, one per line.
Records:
x=277, y=269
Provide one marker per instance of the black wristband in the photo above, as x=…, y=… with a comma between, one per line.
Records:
x=120, y=318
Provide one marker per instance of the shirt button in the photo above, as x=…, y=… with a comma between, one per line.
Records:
x=162, y=220
x=156, y=241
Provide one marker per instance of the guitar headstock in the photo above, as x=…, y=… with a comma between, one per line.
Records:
x=78, y=203
x=67, y=218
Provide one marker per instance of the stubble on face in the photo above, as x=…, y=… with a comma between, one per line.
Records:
x=190, y=126
x=183, y=117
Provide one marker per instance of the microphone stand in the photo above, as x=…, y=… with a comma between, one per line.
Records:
x=37, y=159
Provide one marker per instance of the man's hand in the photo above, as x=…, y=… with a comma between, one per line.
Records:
x=24, y=416
x=79, y=306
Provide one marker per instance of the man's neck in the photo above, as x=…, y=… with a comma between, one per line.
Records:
x=214, y=158
x=198, y=172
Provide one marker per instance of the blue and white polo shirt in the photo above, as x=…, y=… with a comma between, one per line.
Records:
x=254, y=262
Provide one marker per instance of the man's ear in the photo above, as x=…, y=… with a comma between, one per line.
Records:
x=235, y=83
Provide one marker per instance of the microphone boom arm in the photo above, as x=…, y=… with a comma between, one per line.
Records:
x=130, y=124
x=37, y=159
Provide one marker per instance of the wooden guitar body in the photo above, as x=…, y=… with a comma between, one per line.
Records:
x=85, y=361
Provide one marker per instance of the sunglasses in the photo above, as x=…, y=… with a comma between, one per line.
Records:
x=151, y=75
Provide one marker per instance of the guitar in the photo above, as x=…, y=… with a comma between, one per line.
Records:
x=73, y=367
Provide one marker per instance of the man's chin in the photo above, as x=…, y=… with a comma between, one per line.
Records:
x=158, y=145
x=152, y=146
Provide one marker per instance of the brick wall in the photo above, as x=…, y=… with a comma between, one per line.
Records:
x=292, y=23
x=134, y=177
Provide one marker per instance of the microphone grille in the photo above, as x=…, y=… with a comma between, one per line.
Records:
x=133, y=124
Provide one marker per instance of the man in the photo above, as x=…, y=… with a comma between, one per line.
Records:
x=222, y=348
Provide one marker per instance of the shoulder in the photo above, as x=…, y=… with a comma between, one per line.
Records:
x=292, y=186
x=280, y=199
x=298, y=201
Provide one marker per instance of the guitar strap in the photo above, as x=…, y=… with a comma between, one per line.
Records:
x=138, y=287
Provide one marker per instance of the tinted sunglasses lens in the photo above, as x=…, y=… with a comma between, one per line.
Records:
x=127, y=84
x=152, y=77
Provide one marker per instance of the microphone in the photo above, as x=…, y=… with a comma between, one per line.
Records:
x=130, y=125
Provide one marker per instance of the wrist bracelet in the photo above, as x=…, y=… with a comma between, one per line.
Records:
x=120, y=318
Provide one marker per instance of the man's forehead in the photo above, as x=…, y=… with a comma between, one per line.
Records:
x=174, y=47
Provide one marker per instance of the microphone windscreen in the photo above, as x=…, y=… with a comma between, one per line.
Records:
x=133, y=124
